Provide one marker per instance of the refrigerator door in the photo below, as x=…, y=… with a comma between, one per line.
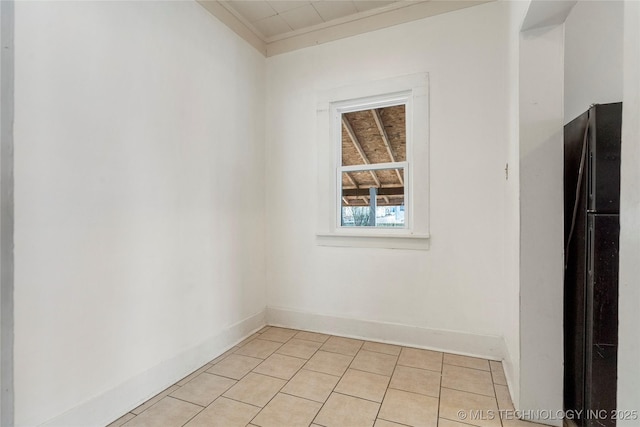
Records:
x=603, y=232
x=576, y=270
x=604, y=158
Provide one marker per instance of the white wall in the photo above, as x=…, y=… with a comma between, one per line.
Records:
x=541, y=219
x=629, y=337
x=459, y=283
x=518, y=11
x=6, y=213
x=593, y=56
x=563, y=69
x=139, y=202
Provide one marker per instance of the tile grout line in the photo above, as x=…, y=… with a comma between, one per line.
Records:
x=300, y=397
x=470, y=392
x=192, y=403
x=236, y=347
x=466, y=367
x=461, y=422
x=236, y=400
x=362, y=398
x=394, y=422
x=159, y=400
x=194, y=415
x=395, y=365
x=496, y=395
x=440, y=392
x=414, y=392
x=338, y=382
x=422, y=369
x=313, y=421
x=376, y=373
x=283, y=385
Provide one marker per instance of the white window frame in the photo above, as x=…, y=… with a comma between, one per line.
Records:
x=369, y=103
x=410, y=90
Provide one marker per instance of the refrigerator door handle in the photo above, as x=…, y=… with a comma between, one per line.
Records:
x=578, y=188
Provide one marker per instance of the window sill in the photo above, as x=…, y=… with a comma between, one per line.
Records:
x=386, y=241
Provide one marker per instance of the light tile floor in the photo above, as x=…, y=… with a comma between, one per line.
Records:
x=285, y=378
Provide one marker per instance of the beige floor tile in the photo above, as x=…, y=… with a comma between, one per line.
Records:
x=155, y=399
x=123, y=419
x=346, y=346
x=503, y=397
x=467, y=379
x=248, y=339
x=193, y=375
x=224, y=413
x=286, y=410
x=311, y=385
x=454, y=401
x=410, y=409
x=378, y=363
x=442, y=422
x=378, y=347
x=342, y=411
x=497, y=372
x=299, y=348
x=168, y=412
x=259, y=348
x=360, y=383
x=329, y=363
x=466, y=361
x=203, y=389
x=255, y=389
x=235, y=366
x=513, y=422
x=224, y=355
x=280, y=366
x=385, y=423
x=312, y=336
x=416, y=380
x=280, y=335
x=365, y=385
x=423, y=359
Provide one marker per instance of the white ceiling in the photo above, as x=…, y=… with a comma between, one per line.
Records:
x=278, y=26
x=273, y=18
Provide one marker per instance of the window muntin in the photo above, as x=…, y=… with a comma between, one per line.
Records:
x=372, y=190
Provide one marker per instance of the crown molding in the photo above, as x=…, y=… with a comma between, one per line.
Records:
x=372, y=20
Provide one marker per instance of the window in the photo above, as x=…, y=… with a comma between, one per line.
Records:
x=373, y=169
x=373, y=162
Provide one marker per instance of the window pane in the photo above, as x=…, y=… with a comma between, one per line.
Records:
x=388, y=201
x=374, y=136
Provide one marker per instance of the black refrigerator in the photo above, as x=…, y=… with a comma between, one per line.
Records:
x=592, y=227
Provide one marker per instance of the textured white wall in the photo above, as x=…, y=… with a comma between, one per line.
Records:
x=541, y=219
x=629, y=337
x=139, y=200
x=593, y=35
x=563, y=69
x=518, y=10
x=459, y=283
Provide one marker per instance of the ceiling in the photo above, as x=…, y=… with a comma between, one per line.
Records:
x=273, y=19
x=278, y=26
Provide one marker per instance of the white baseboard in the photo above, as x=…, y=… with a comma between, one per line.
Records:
x=107, y=407
x=463, y=343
